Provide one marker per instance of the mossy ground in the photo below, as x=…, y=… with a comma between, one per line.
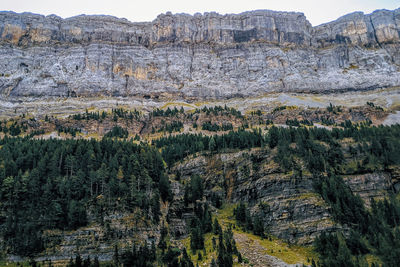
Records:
x=291, y=254
x=209, y=254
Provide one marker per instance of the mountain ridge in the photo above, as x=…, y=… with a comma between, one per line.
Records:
x=25, y=17
x=201, y=56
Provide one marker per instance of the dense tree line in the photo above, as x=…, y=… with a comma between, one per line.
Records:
x=202, y=222
x=377, y=146
x=14, y=129
x=174, y=126
x=219, y=110
x=47, y=184
x=125, y=114
x=138, y=256
x=248, y=221
x=214, y=127
x=117, y=131
x=68, y=130
x=79, y=262
x=326, y=120
x=115, y=113
x=141, y=256
x=175, y=148
x=226, y=248
x=321, y=152
x=168, y=112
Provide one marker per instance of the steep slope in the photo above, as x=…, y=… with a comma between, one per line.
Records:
x=288, y=203
x=200, y=56
x=272, y=170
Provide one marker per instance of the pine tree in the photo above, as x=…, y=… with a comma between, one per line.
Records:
x=240, y=260
x=165, y=188
x=155, y=206
x=162, y=244
x=78, y=261
x=217, y=230
x=258, y=226
x=211, y=144
x=116, y=256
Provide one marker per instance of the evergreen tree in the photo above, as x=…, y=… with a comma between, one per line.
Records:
x=165, y=188
x=211, y=145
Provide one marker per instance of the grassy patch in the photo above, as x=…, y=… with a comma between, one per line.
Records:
x=290, y=254
x=225, y=214
x=372, y=259
x=209, y=254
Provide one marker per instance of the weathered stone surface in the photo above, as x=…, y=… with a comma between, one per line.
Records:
x=95, y=240
x=370, y=185
x=201, y=56
x=288, y=205
x=380, y=27
x=264, y=25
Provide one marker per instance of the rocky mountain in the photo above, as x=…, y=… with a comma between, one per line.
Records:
x=282, y=134
x=200, y=56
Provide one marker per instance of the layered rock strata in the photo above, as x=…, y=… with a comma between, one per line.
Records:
x=200, y=56
x=288, y=204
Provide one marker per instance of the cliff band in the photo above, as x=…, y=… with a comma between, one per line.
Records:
x=200, y=56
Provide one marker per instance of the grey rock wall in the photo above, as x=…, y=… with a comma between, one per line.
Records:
x=200, y=56
x=289, y=206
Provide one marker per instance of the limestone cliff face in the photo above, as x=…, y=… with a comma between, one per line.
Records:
x=275, y=27
x=204, y=56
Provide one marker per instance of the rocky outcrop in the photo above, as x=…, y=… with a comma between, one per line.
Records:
x=370, y=185
x=275, y=27
x=287, y=203
x=373, y=30
x=278, y=28
x=95, y=240
x=200, y=56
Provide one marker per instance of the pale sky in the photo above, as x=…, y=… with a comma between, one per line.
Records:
x=316, y=11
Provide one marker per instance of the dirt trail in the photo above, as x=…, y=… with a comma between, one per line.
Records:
x=256, y=253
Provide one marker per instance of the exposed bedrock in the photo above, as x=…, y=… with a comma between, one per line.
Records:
x=288, y=205
x=201, y=56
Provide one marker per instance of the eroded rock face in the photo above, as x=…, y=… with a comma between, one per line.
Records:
x=370, y=185
x=276, y=27
x=288, y=204
x=201, y=56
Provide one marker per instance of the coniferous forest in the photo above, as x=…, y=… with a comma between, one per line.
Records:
x=50, y=184
x=58, y=184
x=373, y=231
